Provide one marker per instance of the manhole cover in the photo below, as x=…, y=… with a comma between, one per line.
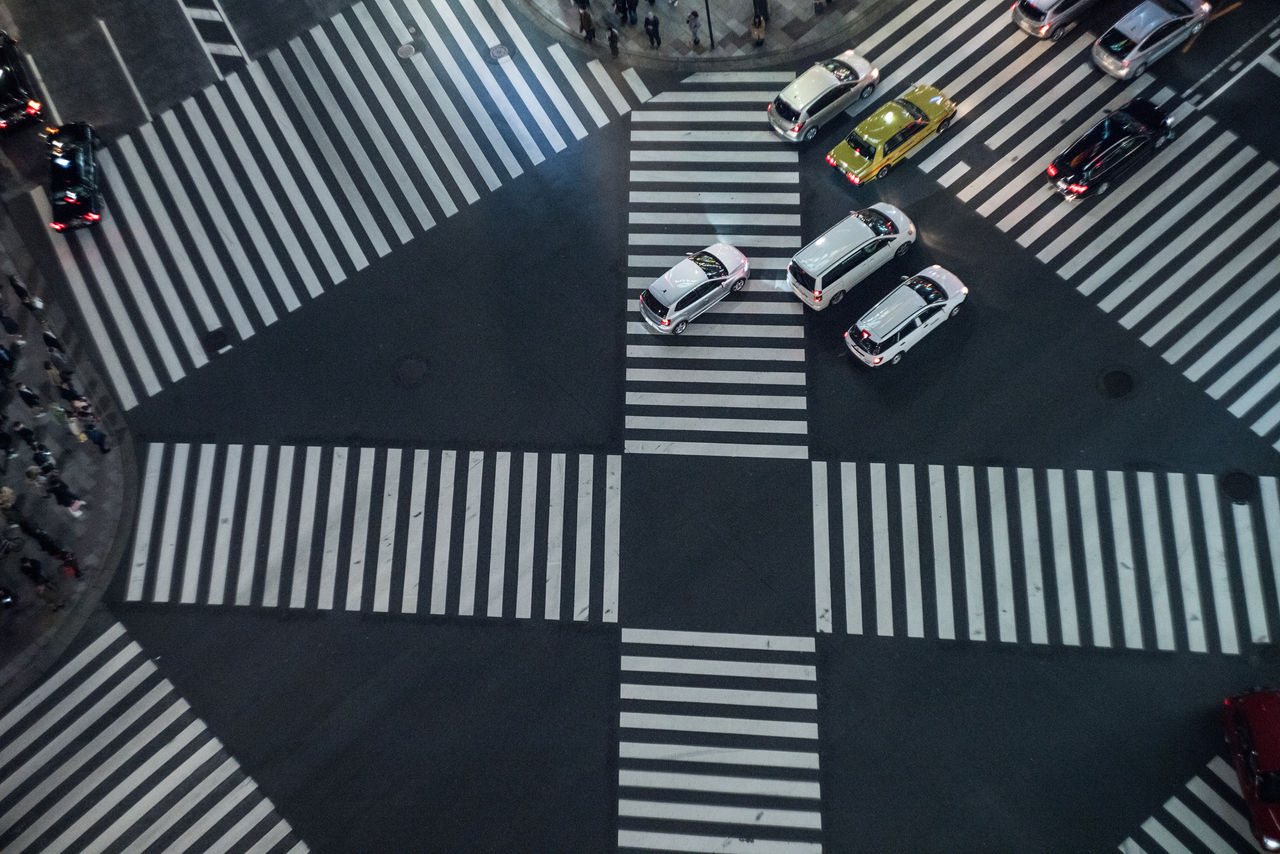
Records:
x=499, y=51
x=406, y=50
x=411, y=371
x=1116, y=382
x=1239, y=486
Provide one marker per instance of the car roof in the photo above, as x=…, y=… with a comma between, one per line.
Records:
x=687, y=275
x=1262, y=710
x=891, y=118
x=1143, y=19
x=891, y=312
x=816, y=79
x=834, y=243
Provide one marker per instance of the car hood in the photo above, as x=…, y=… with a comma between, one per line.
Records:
x=673, y=284
x=930, y=100
x=1266, y=818
x=949, y=281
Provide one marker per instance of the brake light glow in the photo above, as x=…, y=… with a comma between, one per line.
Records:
x=795, y=128
x=57, y=226
x=666, y=321
x=33, y=107
x=866, y=334
x=853, y=179
x=92, y=217
x=1044, y=29
x=3, y=123
x=1077, y=188
x=817, y=296
x=831, y=161
x=768, y=108
x=876, y=360
x=1052, y=170
x=1125, y=63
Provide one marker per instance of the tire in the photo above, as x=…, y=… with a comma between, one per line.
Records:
x=1055, y=34
x=1138, y=72
x=884, y=170
x=680, y=327
x=954, y=311
x=810, y=133
x=839, y=295
x=902, y=250
x=1102, y=189
x=866, y=91
x=946, y=123
x=897, y=357
x=738, y=285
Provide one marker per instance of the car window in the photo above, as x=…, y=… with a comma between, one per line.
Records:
x=929, y=314
x=876, y=246
x=1162, y=33
x=800, y=275
x=863, y=148
x=782, y=108
x=843, y=267
x=826, y=99
x=877, y=222
x=1116, y=43
x=710, y=264
x=927, y=289
x=911, y=109
x=840, y=71
x=696, y=294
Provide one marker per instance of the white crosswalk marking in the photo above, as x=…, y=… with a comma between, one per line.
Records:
x=502, y=522
x=760, y=326
x=107, y=735
x=1209, y=815
x=255, y=212
x=693, y=702
x=1084, y=540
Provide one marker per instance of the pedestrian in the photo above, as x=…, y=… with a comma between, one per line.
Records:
x=620, y=9
x=65, y=497
x=586, y=26
x=581, y=4
x=46, y=543
x=695, y=24
x=11, y=327
x=51, y=341
x=52, y=374
x=33, y=303
x=8, y=360
x=63, y=363
x=69, y=564
x=39, y=481
x=94, y=434
x=613, y=41
x=43, y=457
x=761, y=8
x=631, y=11
x=25, y=433
x=6, y=445
x=68, y=392
x=33, y=570
x=757, y=30
x=651, y=29
x=30, y=398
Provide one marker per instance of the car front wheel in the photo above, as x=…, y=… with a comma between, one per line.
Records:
x=902, y=250
x=954, y=311
x=680, y=327
x=867, y=90
x=946, y=123
x=738, y=285
x=1101, y=189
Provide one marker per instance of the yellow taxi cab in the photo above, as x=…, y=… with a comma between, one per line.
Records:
x=891, y=132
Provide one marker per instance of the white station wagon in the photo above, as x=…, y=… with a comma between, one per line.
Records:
x=901, y=320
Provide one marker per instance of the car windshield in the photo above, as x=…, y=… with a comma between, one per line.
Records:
x=1116, y=43
x=1269, y=787
x=1031, y=10
x=861, y=147
x=879, y=224
x=927, y=289
x=840, y=71
x=864, y=342
x=653, y=303
x=1099, y=138
x=782, y=108
x=710, y=265
x=910, y=109
x=797, y=272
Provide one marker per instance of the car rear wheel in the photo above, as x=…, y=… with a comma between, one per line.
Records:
x=866, y=91
x=680, y=327
x=810, y=133
x=954, y=311
x=1055, y=34
x=884, y=170
x=897, y=357
x=902, y=250
x=946, y=123
x=836, y=297
x=738, y=285
x=1137, y=72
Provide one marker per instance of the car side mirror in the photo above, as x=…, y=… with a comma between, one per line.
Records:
x=903, y=278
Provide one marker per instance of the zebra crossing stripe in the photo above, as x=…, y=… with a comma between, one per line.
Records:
x=386, y=537
x=306, y=527
x=821, y=550
x=1252, y=581
x=880, y=542
x=941, y=547
x=578, y=85
x=1184, y=550
x=470, y=534
x=279, y=524
x=252, y=520
x=1155, y=561
x=1124, y=561
x=1094, y=572
x=360, y=533
x=413, y=547
x=539, y=69
x=1220, y=583
x=972, y=556
x=1000, y=554
x=226, y=515
x=195, y=545
x=146, y=518
x=1030, y=529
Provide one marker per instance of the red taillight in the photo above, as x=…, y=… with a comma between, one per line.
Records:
x=831, y=161
x=1125, y=63
x=817, y=296
x=796, y=127
x=853, y=179
x=768, y=108
x=92, y=217
x=1077, y=188
x=666, y=321
x=33, y=107
x=876, y=360
x=866, y=334
x=3, y=123
x=1044, y=29
x=1052, y=170
x=57, y=226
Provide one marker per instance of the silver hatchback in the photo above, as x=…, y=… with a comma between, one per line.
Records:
x=821, y=93
x=1147, y=33
x=1049, y=19
x=691, y=287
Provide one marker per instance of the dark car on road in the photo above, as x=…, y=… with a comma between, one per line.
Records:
x=1251, y=726
x=73, y=177
x=1110, y=150
x=17, y=103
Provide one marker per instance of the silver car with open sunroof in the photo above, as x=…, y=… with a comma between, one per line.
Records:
x=820, y=94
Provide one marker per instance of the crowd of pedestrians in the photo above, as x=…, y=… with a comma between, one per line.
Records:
x=35, y=406
x=624, y=13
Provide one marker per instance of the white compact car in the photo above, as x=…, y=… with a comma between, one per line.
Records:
x=848, y=252
x=691, y=287
x=910, y=312
x=820, y=94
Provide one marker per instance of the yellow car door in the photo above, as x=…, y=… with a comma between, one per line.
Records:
x=906, y=139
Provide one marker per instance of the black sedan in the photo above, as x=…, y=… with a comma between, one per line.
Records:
x=1111, y=150
x=73, y=177
x=17, y=101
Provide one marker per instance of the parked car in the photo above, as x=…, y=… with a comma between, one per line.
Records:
x=890, y=133
x=821, y=93
x=1147, y=33
x=17, y=96
x=73, y=176
x=902, y=319
x=691, y=287
x=1049, y=19
x=1110, y=150
x=848, y=252
x=1251, y=727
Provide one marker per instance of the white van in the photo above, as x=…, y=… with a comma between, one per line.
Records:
x=848, y=252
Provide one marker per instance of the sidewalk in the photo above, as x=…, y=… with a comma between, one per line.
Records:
x=32, y=634
x=793, y=28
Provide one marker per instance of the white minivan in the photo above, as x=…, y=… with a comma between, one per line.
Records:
x=848, y=252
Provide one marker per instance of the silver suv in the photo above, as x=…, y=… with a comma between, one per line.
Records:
x=820, y=94
x=691, y=287
x=1147, y=33
x=1049, y=19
